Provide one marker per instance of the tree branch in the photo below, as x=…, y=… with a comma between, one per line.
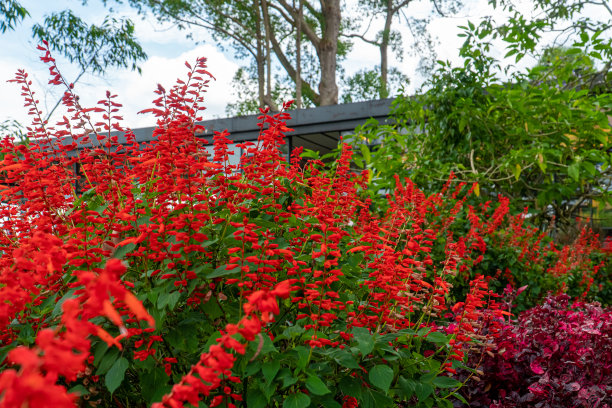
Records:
x=362, y=38
x=405, y=3
x=306, y=88
x=207, y=25
x=306, y=28
x=268, y=101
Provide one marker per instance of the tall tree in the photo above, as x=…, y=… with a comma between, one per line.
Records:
x=301, y=39
x=94, y=48
x=245, y=25
x=388, y=38
x=565, y=18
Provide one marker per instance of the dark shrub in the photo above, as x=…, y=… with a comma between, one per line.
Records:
x=556, y=355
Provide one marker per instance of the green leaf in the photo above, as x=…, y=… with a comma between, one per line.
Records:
x=222, y=271
x=212, y=309
x=316, y=385
x=365, y=151
x=358, y=161
x=381, y=376
x=297, y=400
x=584, y=36
x=252, y=368
x=79, y=389
x=310, y=154
x=437, y=338
x=446, y=382
x=57, y=310
x=115, y=375
x=345, y=359
x=99, y=351
x=154, y=384
x=350, y=386
x=517, y=171
x=286, y=377
x=442, y=403
x=107, y=361
x=303, y=354
x=460, y=398
x=168, y=299
x=328, y=402
x=268, y=389
x=268, y=346
x=371, y=398
x=269, y=369
x=123, y=250
x=406, y=386
x=427, y=377
x=365, y=340
x=423, y=391
x=574, y=171
x=256, y=399
x=185, y=337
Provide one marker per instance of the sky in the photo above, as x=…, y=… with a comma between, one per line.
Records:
x=168, y=49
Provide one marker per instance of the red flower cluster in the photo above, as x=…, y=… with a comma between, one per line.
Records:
x=100, y=236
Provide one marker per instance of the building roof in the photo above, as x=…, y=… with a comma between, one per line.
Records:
x=314, y=128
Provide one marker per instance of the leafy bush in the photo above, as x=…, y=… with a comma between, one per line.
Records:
x=553, y=157
x=153, y=273
x=556, y=355
x=520, y=254
x=159, y=273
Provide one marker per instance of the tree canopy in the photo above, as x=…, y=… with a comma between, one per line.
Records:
x=540, y=136
x=303, y=43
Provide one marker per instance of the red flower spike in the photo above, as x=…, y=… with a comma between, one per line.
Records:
x=188, y=213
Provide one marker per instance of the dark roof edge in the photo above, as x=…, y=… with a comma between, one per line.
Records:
x=302, y=120
x=342, y=117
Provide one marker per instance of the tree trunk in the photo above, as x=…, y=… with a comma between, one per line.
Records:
x=259, y=59
x=261, y=79
x=268, y=28
x=384, y=49
x=307, y=90
x=298, y=56
x=328, y=49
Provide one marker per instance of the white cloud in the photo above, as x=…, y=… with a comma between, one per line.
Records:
x=135, y=91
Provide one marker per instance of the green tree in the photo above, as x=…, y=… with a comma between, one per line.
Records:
x=94, y=48
x=367, y=84
x=13, y=129
x=260, y=29
x=564, y=18
x=539, y=138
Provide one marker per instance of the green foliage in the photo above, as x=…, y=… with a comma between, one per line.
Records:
x=96, y=48
x=366, y=85
x=422, y=43
x=115, y=375
x=245, y=92
x=573, y=21
x=542, y=138
x=11, y=13
x=12, y=128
